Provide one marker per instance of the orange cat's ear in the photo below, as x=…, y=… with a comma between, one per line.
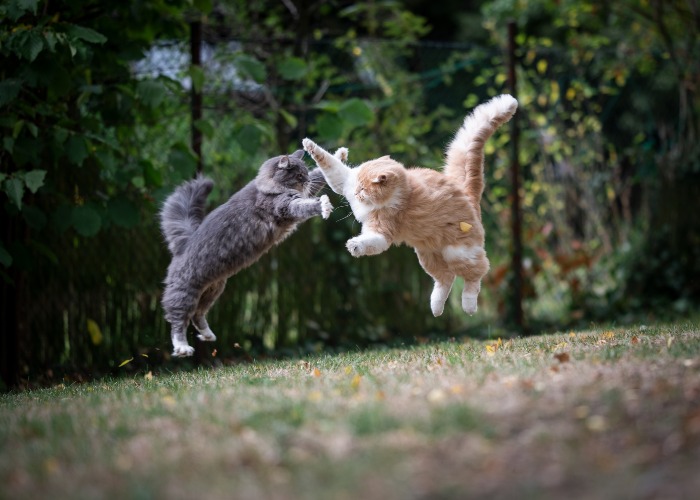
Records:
x=380, y=179
x=386, y=157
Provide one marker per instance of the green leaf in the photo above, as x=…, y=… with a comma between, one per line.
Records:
x=86, y=220
x=123, y=212
x=292, y=68
x=204, y=6
x=61, y=218
x=197, y=75
x=5, y=257
x=8, y=143
x=249, y=138
x=206, y=127
x=9, y=89
x=86, y=34
x=289, y=118
x=251, y=68
x=356, y=112
x=14, y=188
x=76, y=149
x=151, y=175
x=150, y=93
x=183, y=161
x=329, y=126
x=17, y=8
x=34, y=217
x=32, y=46
x=34, y=179
x=2, y=177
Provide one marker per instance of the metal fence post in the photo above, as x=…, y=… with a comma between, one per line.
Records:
x=516, y=221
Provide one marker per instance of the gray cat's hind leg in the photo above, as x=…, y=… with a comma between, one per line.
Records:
x=199, y=320
x=179, y=304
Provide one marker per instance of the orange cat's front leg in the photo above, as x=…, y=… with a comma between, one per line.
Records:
x=368, y=243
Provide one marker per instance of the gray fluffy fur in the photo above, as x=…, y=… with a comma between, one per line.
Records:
x=208, y=250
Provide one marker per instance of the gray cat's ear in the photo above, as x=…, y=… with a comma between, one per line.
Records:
x=298, y=154
x=284, y=162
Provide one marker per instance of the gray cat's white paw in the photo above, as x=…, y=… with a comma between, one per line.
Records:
x=342, y=154
x=326, y=206
x=206, y=335
x=183, y=350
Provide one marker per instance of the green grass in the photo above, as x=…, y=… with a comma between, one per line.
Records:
x=596, y=414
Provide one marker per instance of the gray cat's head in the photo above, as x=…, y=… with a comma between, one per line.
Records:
x=283, y=173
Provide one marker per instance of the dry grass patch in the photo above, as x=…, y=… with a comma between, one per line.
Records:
x=609, y=413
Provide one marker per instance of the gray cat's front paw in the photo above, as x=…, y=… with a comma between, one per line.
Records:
x=182, y=350
x=326, y=206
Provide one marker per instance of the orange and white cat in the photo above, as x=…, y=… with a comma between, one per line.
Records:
x=436, y=213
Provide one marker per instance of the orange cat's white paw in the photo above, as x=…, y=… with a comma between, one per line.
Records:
x=342, y=154
x=355, y=247
x=469, y=303
x=326, y=206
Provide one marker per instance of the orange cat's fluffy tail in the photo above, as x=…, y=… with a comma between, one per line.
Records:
x=465, y=154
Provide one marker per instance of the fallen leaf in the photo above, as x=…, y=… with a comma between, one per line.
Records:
x=355, y=383
x=562, y=357
x=348, y=370
x=315, y=396
x=126, y=362
x=94, y=331
x=635, y=340
x=144, y=355
x=669, y=342
x=316, y=372
x=213, y=353
x=236, y=345
x=465, y=227
x=169, y=401
x=436, y=396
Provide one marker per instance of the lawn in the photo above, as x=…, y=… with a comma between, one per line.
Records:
x=603, y=413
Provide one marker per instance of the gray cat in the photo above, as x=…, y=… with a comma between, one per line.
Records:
x=208, y=250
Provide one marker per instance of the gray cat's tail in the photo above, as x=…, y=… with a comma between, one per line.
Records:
x=465, y=154
x=183, y=212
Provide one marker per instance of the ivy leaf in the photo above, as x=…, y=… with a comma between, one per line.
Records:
x=123, y=212
x=76, y=149
x=249, y=138
x=34, y=179
x=150, y=93
x=9, y=89
x=86, y=34
x=61, y=218
x=289, y=118
x=252, y=68
x=197, y=76
x=183, y=161
x=329, y=126
x=356, y=112
x=86, y=220
x=292, y=68
x=17, y=8
x=35, y=218
x=14, y=188
x=5, y=257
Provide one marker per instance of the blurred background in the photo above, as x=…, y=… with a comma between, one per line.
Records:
x=106, y=106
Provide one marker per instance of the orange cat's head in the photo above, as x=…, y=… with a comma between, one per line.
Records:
x=380, y=182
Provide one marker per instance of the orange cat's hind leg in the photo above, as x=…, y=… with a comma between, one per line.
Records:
x=470, y=263
x=437, y=268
